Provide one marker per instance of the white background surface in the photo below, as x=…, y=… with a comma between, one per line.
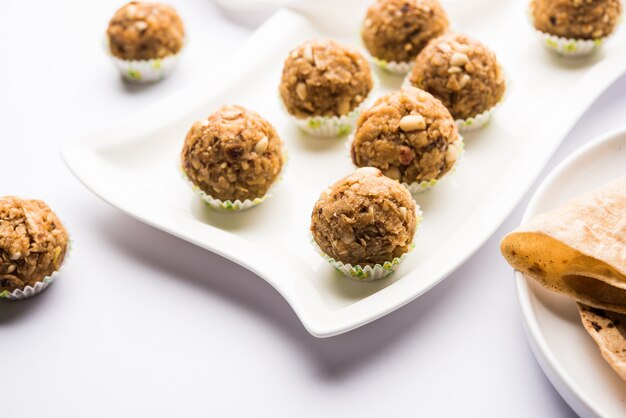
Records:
x=144, y=324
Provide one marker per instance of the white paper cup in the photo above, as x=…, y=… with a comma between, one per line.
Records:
x=393, y=67
x=332, y=126
x=472, y=123
x=476, y=122
x=569, y=47
x=369, y=273
x=30, y=291
x=419, y=186
x=223, y=205
x=229, y=205
x=566, y=47
x=146, y=71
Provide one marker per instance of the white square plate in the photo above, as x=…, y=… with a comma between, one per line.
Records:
x=133, y=166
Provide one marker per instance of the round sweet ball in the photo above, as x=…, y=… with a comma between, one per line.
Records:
x=234, y=154
x=397, y=30
x=144, y=31
x=33, y=243
x=578, y=19
x=364, y=219
x=462, y=73
x=409, y=135
x=324, y=78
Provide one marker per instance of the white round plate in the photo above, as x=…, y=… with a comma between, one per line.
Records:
x=565, y=351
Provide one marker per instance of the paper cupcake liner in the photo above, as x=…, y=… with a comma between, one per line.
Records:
x=329, y=127
x=332, y=126
x=421, y=186
x=144, y=71
x=418, y=186
x=368, y=273
x=482, y=119
x=30, y=291
x=476, y=122
x=393, y=67
x=569, y=47
x=229, y=205
x=472, y=123
x=223, y=205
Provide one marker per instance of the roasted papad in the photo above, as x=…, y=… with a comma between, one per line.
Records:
x=579, y=249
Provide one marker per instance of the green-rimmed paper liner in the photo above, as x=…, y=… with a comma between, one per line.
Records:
x=223, y=205
x=30, y=291
x=568, y=47
x=418, y=186
x=332, y=126
x=476, y=122
x=369, y=273
x=393, y=67
x=472, y=123
x=229, y=205
x=144, y=71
